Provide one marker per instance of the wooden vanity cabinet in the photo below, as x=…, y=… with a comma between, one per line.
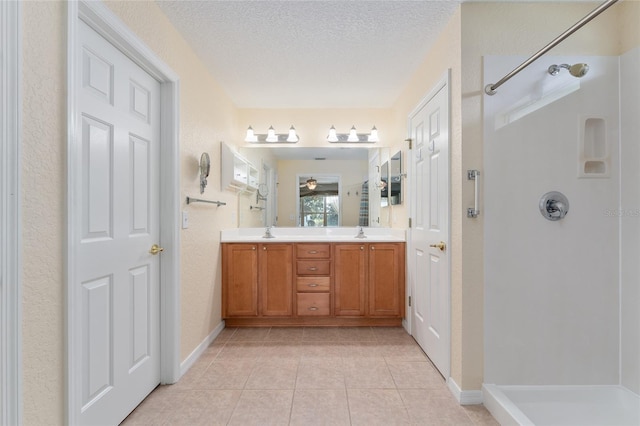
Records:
x=313, y=279
x=386, y=279
x=350, y=279
x=257, y=280
x=240, y=280
x=313, y=283
x=275, y=282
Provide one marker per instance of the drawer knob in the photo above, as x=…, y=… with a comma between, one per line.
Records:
x=313, y=251
x=313, y=308
x=313, y=285
x=312, y=268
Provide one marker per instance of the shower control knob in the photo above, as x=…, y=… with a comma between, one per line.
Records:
x=554, y=205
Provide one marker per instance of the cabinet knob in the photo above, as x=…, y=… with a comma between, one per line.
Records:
x=253, y=248
x=373, y=248
x=264, y=248
x=361, y=247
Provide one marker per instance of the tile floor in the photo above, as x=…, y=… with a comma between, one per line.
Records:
x=309, y=376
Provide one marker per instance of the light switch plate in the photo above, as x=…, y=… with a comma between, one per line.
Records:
x=185, y=220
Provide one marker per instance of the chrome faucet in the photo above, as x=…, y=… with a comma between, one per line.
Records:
x=361, y=233
x=267, y=233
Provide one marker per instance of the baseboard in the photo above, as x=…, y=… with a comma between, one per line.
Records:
x=469, y=397
x=199, y=350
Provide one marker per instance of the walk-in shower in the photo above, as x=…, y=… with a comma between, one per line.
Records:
x=562, y=327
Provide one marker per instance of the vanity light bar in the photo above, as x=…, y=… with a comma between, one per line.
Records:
x=352, y=136
x=271, y=136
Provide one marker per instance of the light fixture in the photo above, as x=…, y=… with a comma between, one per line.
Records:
x=353, y=136
x=293, y=137
x=271, y=136
x=333, y=136
x=373, y=136
x=251, y=137
x=312, y=184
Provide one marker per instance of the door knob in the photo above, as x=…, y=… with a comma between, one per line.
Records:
x=155, y=249
x=441, y=245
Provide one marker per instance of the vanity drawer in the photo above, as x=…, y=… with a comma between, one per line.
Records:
x=313, y=284
x=313, y=251
x=313, y=267
x=313, y=304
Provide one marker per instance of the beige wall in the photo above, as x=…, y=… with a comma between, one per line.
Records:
x=629, y=16
x=206, y=117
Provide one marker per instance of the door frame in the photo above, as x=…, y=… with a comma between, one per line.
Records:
x=10, y=214
x=443, y=82
x=108, y=25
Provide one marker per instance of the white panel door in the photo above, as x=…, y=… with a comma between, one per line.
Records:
x=116, y=292
x=429, y=234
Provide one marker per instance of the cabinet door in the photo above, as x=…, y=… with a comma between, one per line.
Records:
x=276, y=279
x=350, y=274
x=386, y=279
x=239, y=280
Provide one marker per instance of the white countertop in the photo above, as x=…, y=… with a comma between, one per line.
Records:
x=338, y=235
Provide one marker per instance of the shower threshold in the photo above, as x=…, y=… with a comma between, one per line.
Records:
x=562, y=405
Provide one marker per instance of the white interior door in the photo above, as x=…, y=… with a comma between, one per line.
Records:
x=429, y=234
x=116, y=292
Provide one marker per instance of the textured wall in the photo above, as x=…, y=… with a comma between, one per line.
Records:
x=43, y=201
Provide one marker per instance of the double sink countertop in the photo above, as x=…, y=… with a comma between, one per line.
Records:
x=296, y=235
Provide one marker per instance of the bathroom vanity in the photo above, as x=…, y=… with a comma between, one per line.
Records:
x=313, y=277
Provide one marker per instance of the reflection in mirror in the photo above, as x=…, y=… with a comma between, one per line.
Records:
x=384, y=184
x=395, y=179
x=319, y=200
x=358, y=169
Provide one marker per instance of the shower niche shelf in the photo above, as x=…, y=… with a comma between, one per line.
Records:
x=593, y=155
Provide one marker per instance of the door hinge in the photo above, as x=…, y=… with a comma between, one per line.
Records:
x=410, y=142
x=409, y=222
x=409, y=301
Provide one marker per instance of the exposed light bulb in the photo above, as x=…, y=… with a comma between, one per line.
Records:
x=333, y=136
x=271, y=135
x=353, y=136
x=373, y=136
x=251, y=137
x=293, y=137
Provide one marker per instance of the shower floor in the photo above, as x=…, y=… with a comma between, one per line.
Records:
x=562, y=405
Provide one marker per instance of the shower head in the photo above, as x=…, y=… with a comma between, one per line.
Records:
x=576, y=70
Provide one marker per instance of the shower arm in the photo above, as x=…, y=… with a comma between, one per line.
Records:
x=490, y=89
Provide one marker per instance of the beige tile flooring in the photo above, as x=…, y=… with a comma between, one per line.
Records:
x=309, y=376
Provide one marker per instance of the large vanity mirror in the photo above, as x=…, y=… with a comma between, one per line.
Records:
x=333, y=186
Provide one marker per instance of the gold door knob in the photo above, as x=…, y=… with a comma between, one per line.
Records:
x=441, y=245
x=155, y=249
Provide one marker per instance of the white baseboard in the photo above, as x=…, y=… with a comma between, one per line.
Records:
x=199, y=350
x=469, y=397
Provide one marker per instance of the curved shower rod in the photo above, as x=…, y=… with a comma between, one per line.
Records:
x=490, y=89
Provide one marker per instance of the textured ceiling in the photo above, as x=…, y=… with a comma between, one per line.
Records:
x=311, y=54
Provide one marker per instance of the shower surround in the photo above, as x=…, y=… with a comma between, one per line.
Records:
x=560, y=296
